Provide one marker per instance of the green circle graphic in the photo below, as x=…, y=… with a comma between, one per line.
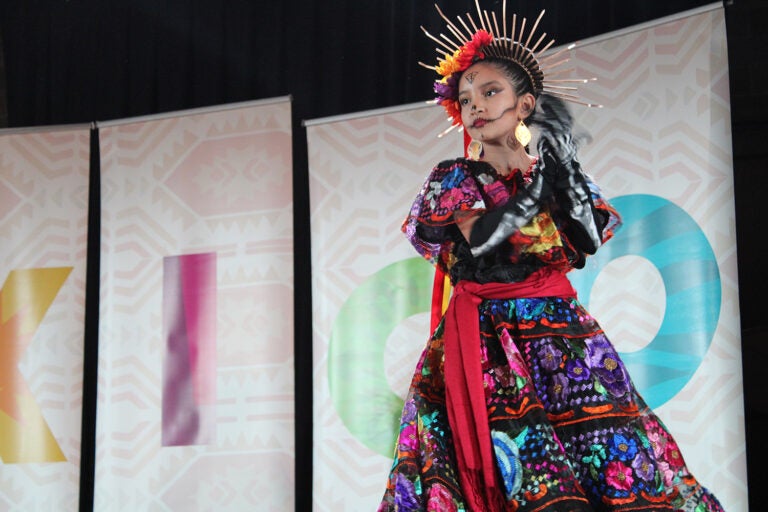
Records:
x=356, y=371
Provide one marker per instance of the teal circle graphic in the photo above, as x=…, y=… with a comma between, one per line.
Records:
x=666, y=236
x=356, y=372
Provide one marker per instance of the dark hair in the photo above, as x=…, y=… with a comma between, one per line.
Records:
x=521, y=82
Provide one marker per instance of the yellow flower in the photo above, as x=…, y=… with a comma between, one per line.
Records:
x=448, y=65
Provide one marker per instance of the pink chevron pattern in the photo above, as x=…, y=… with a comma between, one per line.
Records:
x=218, y=183
x=43, y=229
x=665, y=130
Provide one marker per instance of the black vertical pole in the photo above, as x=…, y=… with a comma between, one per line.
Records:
x=91, y=337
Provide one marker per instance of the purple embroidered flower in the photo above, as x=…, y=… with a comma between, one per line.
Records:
x=469, y=187
x=605, y=363
x=551, y=357
x=622, y=447
x=643, y=467
x=409, y=409
x=559, y=388
x=405, y=494
x=577, y=370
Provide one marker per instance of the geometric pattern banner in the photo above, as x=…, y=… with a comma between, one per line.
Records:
x=370, y=296
x=664, y=289
x=43, y=246
x=196, y=379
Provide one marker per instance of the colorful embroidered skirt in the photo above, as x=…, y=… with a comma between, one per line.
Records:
x=569, y=430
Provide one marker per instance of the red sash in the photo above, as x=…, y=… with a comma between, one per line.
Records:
x=465, y=395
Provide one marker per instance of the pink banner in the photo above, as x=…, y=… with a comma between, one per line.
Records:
x=189, y=330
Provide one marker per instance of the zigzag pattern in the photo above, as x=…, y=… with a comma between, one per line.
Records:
x=43, y=219
x=214, y=182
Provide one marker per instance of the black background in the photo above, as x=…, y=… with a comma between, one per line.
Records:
x=79, y=61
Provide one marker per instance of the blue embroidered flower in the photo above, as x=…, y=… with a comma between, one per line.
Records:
x=622, y=447
x=453, y=178
x=508, y=459
x=530, y=309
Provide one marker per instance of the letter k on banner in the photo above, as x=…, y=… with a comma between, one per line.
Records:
x=24, y=299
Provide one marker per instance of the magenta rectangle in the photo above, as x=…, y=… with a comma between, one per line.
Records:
x=189, y=363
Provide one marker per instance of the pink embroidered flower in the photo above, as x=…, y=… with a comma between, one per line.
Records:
x=440, y=500
x=669, y=475
x=673, y=456
x=451, y=198
x=619, y=476
x=656, y=442
x=409, y=438
x=514, y=358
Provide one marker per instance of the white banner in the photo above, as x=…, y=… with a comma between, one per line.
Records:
x=196, y=379
x=43, y=245
x=665, y=289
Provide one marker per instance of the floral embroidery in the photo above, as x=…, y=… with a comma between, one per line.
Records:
x=622, y=447
x=619, y=476
x=604, y=363
x=440, y=500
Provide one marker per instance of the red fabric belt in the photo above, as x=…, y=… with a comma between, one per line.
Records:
x=465, y=395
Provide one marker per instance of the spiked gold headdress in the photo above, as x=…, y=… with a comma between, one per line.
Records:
x=470, y=42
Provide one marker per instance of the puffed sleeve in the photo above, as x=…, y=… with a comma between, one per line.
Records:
x=430, y=225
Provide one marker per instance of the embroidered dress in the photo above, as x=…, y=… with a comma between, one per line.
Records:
x=566, y=427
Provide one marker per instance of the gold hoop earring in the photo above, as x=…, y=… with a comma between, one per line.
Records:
x=522, y=134
x=474, y=150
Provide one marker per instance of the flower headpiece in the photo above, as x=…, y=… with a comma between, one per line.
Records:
x=469, y=45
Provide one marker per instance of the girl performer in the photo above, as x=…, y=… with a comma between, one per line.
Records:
x=520, y=401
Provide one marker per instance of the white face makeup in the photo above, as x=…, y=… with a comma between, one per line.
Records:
x=490, y=109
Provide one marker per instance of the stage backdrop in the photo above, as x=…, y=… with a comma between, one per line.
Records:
x=665, y=289
x=196, y=379
x=43, y=242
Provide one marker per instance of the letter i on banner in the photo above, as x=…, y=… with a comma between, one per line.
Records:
x=189, y=331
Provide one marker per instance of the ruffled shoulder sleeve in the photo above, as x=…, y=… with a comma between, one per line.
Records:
x=430, y=227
